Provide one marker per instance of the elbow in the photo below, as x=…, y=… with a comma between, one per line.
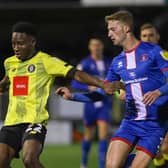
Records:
x=78, y=75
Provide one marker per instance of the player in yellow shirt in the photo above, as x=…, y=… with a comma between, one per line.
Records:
x=29, y=76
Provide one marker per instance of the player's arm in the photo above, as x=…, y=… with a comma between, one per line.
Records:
x=4, y=84
x=77, y=85
x=58, y=67
x=80, y=86
x=162, y=62
x=110, y=85
x=83, y=77
x=93, y=96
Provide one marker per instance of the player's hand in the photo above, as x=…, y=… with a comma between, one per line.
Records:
x=4, y=85
x=4, y=89
x=92, y=88
x=64, y=92
x=111, y=87
x=1, y=91
x=122, y=95
x=150, y=97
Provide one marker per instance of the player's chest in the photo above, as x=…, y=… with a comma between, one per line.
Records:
x=133, y=66
x=97, y=68
x=24, y=75
x=25, y=69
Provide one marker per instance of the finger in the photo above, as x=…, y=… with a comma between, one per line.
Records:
x=151, y=102
x=154, y=99
x=57, y=91
x=148, y=100
x=110, y=92
x=60, y=92
x=67, y=96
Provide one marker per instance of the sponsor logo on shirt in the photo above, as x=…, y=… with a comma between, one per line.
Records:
x=136, y=80
x=132, y=75
x=120, y=64
x=20, y=85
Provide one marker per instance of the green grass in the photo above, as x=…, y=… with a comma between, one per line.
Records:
x=63, y=156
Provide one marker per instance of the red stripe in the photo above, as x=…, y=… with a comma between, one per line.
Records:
x=106, y=81
x=145, y=151
x=123, y=140
x=165, y=69
x=134, y=48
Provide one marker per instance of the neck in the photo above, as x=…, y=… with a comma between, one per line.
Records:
x=30, y=55
x=97, y=57
x=130, y=42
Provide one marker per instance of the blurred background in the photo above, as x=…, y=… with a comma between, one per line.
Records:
x=64, y=27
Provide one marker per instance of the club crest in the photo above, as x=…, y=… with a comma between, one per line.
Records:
x=31, y=68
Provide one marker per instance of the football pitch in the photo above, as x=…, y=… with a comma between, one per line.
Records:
x=63, y=156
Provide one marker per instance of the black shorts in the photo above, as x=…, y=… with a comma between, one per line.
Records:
x=15, y=135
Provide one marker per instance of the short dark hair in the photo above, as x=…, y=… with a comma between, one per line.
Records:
x=25, y=27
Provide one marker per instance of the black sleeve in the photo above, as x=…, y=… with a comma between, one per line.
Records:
x=71, y=73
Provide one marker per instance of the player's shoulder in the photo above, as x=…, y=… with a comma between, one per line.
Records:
x=149, y=46
x=46, y=57
x=11, y=59
x=43, y=55
x=119, y=56
x=86, y=60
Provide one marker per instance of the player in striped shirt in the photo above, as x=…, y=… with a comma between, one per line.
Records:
x=143, y=69
x=149, y=33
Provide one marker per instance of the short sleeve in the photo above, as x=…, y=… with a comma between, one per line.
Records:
x=55, y=66
x=111, y=75
x=83, y=65
x=79, y=67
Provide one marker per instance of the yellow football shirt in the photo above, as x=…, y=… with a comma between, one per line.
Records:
x=30, y=83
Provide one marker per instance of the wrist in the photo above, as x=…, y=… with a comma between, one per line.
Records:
x=164, y=89
x=72, y=97
x=158, y=92
x=101, y=85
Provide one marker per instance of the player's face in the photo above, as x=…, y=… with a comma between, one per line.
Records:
x=96, y=47
x=117, y=32
x=150, y=35
x=23, y=45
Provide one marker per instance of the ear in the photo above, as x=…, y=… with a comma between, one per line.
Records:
x=126, y=28
x=158, y=36
x=33, y=42
x=89, y=46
